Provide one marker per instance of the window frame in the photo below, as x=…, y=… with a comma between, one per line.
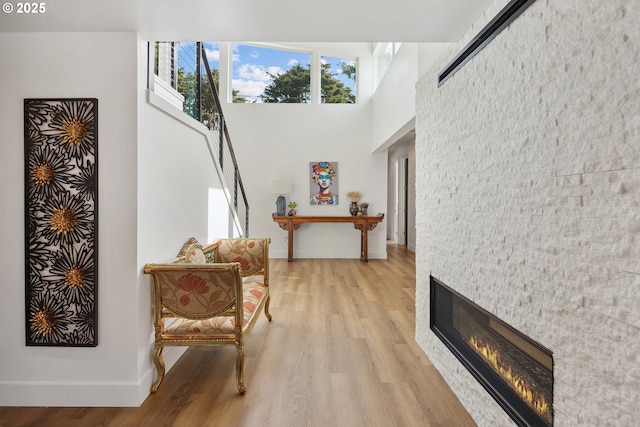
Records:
x=355, y=79
x=315, y=64
x=232, y=64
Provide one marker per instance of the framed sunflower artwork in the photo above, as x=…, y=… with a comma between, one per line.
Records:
x=61, y=221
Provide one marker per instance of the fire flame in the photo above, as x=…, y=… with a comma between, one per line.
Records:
x=492, y=357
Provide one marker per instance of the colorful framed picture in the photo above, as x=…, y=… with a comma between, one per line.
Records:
x=61, y=221
x=323, y=183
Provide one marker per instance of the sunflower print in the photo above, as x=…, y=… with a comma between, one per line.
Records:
x=60, y=221
x=71, y=128
x=71, y=275
x=66, y=219
x=85, y=182
x=48, y=172
x=48, y=319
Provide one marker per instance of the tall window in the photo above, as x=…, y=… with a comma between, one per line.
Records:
x=337, y=80
x=261, y=74
x=382, y=57
x=180, y=66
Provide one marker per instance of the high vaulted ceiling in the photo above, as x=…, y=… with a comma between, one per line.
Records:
x=256, y=20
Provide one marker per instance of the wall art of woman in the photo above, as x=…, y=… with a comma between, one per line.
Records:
x=323, y=174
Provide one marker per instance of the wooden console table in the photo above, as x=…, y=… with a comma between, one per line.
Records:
x=362, y=223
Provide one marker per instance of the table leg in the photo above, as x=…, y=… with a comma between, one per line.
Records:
x=290, y=241
x=364, y=243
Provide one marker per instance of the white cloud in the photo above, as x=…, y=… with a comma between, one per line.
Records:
x=213, y=54
x=274, y=70
x=248, y=88
x=235, y=56
x=293, y=62
x=256, y=72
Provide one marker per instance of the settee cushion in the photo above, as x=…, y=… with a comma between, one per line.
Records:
x=192, y=253
x=194, y=294
x=253, y=296
x=195, y=255
x=250, y=253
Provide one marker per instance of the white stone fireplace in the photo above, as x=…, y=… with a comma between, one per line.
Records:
x=514, y=369
x=528, y=201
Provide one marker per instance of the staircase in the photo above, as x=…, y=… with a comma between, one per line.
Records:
x=182, y=75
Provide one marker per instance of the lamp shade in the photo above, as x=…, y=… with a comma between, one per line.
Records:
x=279, y=186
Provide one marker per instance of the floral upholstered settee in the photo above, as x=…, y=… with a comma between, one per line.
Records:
x=210, y=296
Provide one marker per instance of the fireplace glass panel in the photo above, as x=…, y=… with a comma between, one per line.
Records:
x=515, y=370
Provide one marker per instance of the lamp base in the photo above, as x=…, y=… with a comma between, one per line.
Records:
x=281, y=206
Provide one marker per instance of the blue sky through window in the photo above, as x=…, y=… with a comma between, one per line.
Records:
x=253, y=64
x=336, y=71
x=186, y=52
x=213, y=54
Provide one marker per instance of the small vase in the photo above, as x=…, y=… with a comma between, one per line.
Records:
x=353, y=208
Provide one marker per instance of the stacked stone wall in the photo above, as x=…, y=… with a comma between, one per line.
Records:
x=528, y=200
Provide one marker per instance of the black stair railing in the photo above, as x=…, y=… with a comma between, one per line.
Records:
x=185, y=66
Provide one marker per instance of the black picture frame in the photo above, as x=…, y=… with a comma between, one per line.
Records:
x=61, y=221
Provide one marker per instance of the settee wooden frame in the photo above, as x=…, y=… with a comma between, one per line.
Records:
x=209, y=296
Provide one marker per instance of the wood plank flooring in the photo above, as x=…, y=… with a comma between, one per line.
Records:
x=340, y=351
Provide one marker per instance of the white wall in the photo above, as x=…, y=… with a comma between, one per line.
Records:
x=528, y=189
x=155, y=174
x=397, y=153
x=277, y=141
x=393, y=107
x=53, y=65
x=177, y=173
x=393, y=120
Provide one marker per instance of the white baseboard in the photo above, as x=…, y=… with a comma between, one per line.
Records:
x=85, y=394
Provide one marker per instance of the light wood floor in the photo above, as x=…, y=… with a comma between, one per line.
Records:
x=340, y=351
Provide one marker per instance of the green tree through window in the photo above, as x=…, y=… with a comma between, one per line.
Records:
x=338, y=81
x=187, y=87
x=293, y=86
